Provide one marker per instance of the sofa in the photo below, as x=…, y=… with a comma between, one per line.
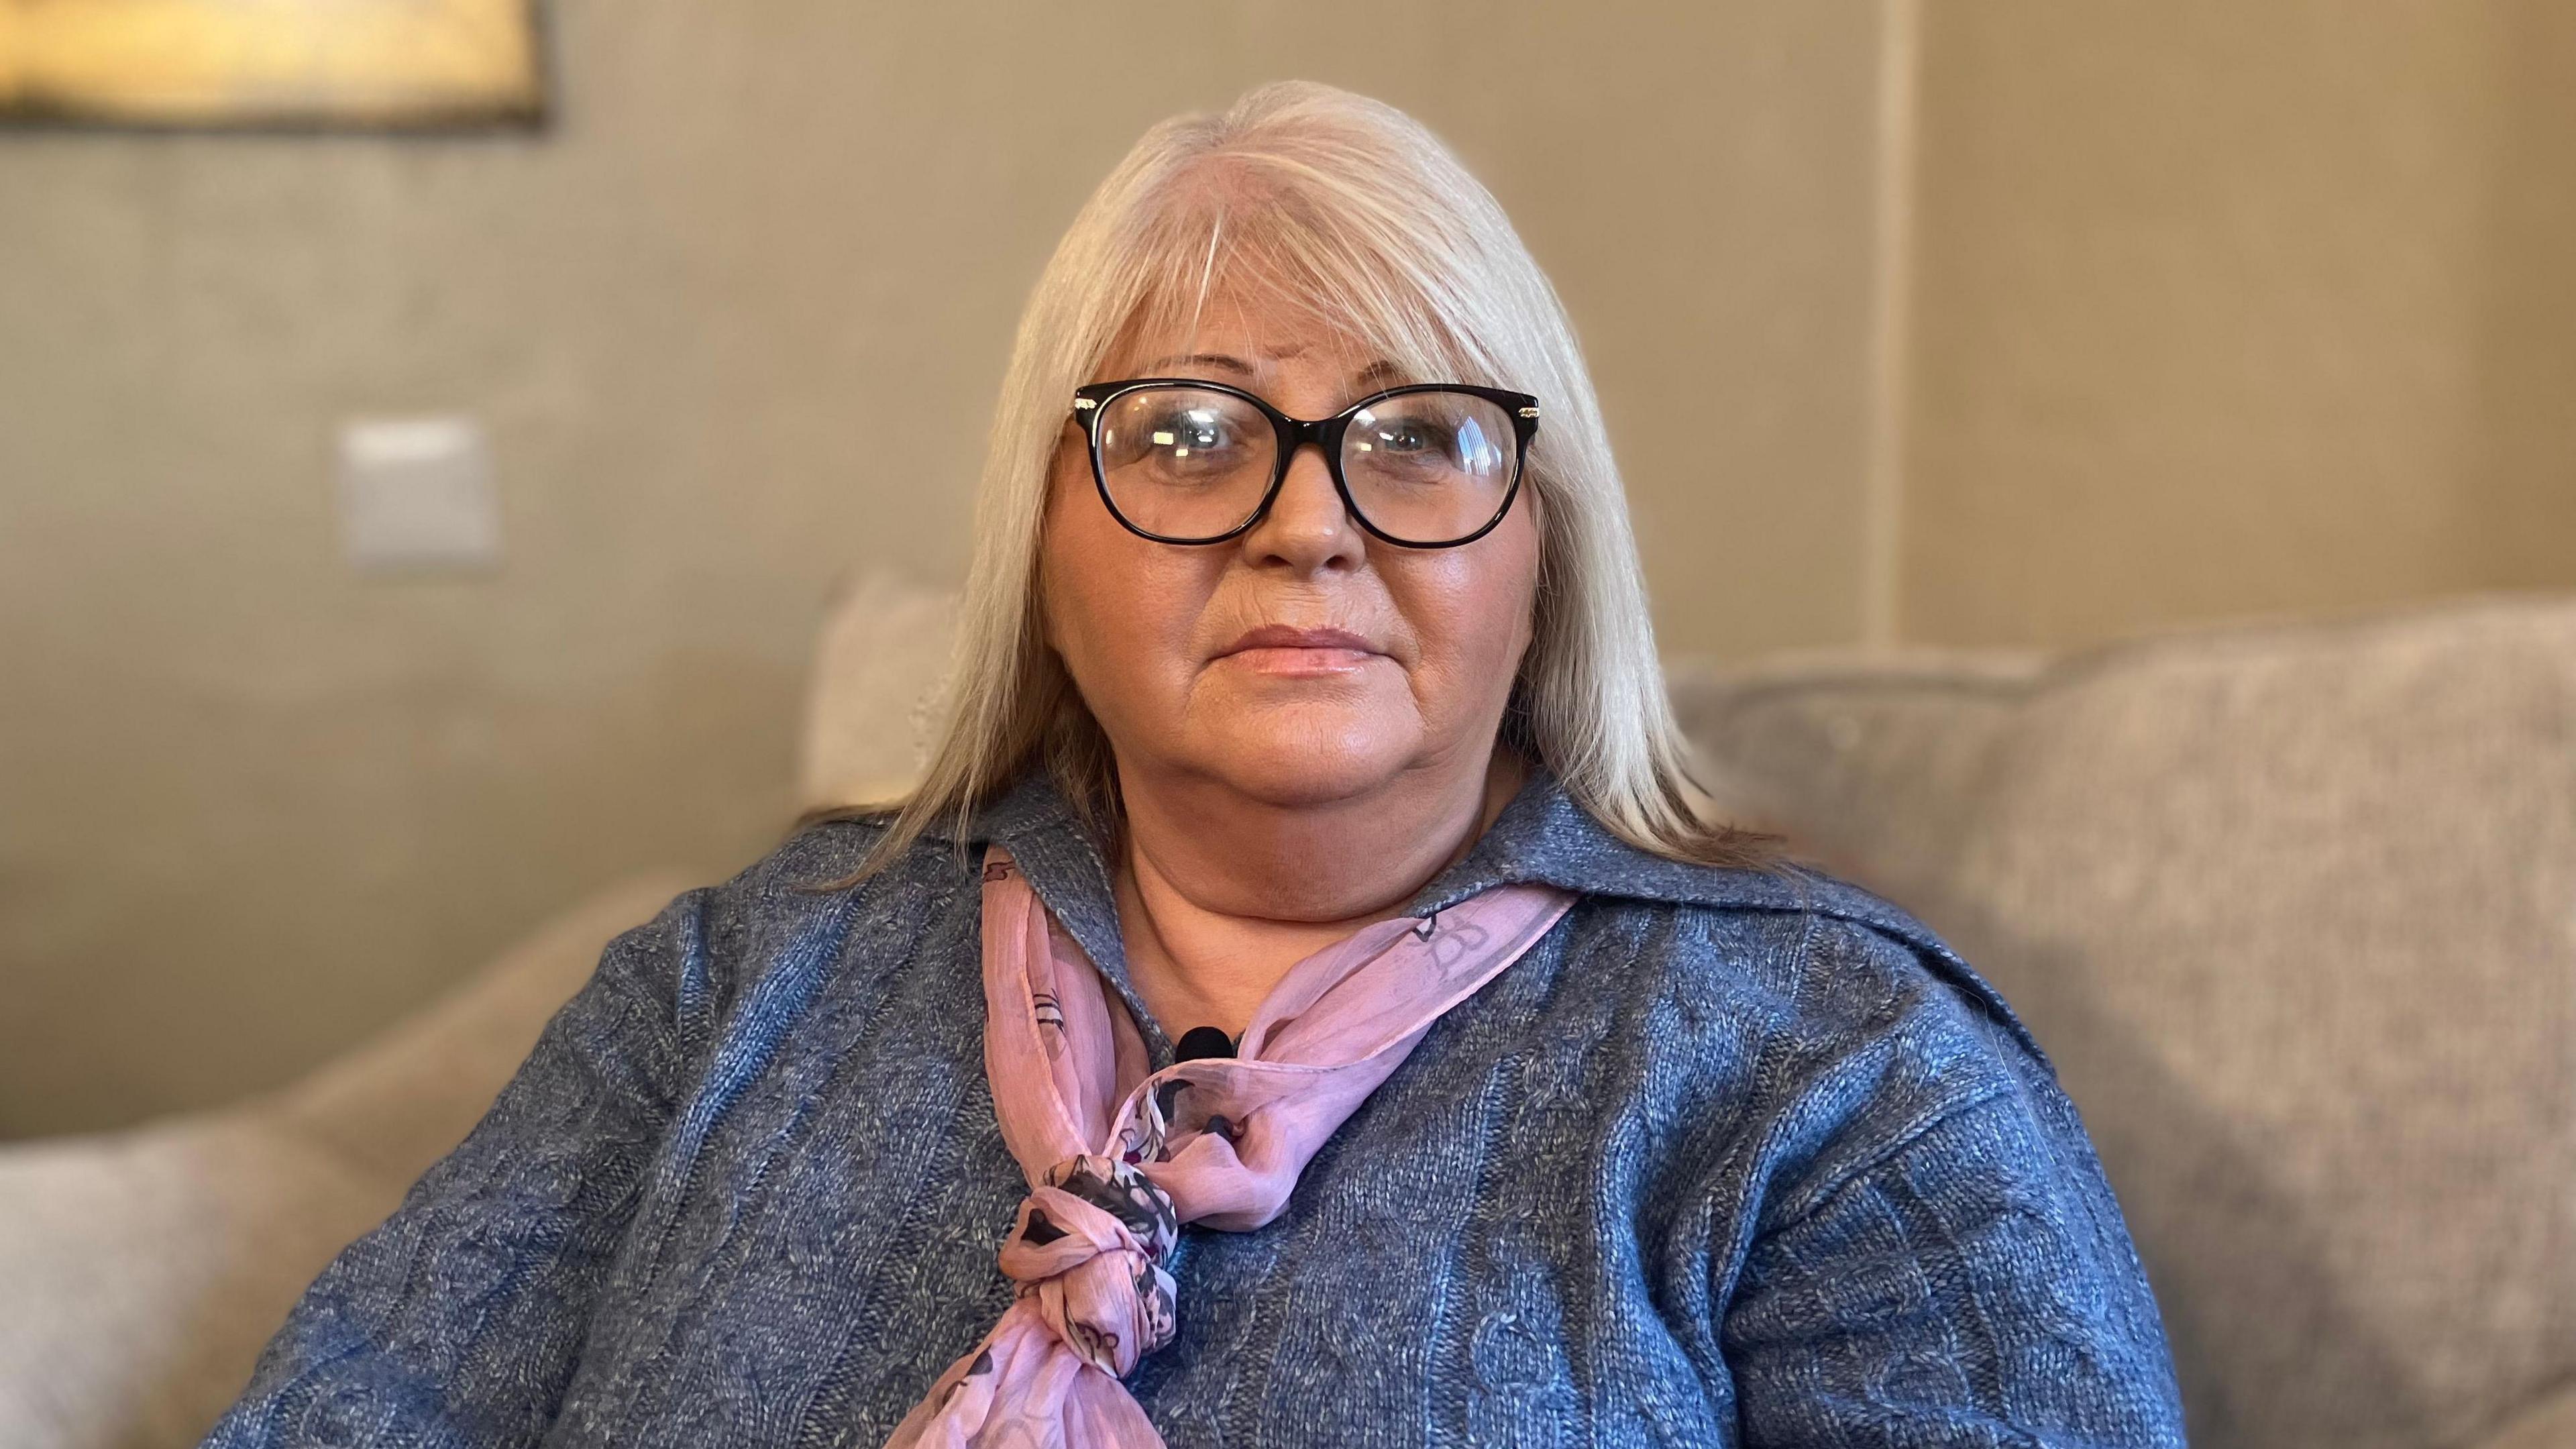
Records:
x=2291, y=905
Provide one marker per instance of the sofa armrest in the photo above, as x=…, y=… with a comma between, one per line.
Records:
x=144, y=1270
x=393, y=1106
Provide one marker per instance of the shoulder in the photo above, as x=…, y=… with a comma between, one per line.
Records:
x=1792, y=941
x=1842, y=1029
x=1854, y=1031
x=801, y=909
x=1820, y=957
x=821, y=873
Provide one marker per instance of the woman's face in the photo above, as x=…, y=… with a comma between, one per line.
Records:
x=1160, y=638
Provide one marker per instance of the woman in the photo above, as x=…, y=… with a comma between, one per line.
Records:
x=1308, y=704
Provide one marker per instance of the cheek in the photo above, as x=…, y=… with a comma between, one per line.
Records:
x=1471, y=612
x=1114, y=608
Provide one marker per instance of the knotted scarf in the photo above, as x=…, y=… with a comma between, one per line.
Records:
x=1218, y=1141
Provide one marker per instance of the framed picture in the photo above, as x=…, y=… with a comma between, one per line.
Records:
x=225, y=64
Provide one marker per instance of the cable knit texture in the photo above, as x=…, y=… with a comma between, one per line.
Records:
x=1726, y=1158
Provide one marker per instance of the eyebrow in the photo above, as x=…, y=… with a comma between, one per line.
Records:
x=1202, y=359
x=1378, y=371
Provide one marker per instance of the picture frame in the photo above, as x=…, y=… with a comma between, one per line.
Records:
x=411, y=65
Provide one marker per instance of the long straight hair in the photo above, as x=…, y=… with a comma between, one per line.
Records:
x=1353, y=211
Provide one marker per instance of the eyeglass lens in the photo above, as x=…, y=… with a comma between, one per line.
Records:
x=1193, y=463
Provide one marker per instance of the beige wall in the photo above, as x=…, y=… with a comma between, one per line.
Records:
x=2226, y=308
x=252, y=805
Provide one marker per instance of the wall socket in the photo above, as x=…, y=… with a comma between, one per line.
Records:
x=416, y=496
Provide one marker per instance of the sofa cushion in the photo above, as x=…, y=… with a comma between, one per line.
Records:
x=2294, y=910
x=878, y=668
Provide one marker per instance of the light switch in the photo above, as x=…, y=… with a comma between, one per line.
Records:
x=416, y=495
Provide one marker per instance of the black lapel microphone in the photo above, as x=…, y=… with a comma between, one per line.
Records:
x=1202, y=1041
x=1198, y=1044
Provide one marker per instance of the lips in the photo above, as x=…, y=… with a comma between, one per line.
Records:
x=1282, y=636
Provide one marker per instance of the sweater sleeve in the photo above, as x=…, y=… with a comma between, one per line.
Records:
x=460, y=1319
x=1939, y=1259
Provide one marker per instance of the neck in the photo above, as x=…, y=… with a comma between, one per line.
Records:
x=1220, y=894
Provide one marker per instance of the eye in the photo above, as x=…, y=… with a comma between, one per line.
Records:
x=1412, y=437
x=1184, y=431
x=1420, y=444
x=1172, y=437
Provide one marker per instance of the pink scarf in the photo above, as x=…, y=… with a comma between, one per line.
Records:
x=1112, y=1178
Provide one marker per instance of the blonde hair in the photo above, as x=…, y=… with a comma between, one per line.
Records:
x=1345, y=206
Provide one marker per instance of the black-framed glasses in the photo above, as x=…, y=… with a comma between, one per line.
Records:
x=1431, y=465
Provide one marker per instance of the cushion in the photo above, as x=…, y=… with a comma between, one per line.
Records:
x=2293, y=908
x=870, y=708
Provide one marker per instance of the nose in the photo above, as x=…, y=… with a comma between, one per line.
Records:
x=1307, y=529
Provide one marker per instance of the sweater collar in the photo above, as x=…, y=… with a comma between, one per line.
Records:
x=1541, y=836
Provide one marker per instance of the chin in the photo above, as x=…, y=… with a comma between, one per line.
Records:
x=1306, y=760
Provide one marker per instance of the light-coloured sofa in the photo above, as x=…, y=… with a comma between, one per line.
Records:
x=2293, y=908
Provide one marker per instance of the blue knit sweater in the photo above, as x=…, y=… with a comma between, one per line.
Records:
x=1728, y=1159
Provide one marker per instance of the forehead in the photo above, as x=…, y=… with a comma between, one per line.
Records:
x=1266, y=333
